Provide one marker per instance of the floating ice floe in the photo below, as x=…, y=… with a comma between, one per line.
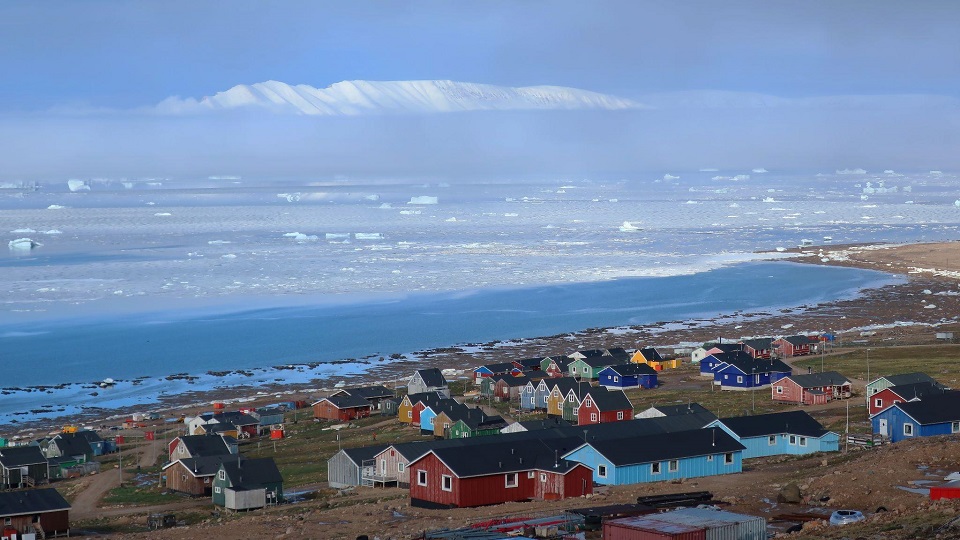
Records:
x=368, y=236
x=423, y=199
x=163, y=214
x=77, y=185
x=228, y=256
x=23, y=244
x=385, y=206
x=23, y=231
x=218, y=242
x=300, y=237
x=289, y=197
x=781, y=249
x=55, y=207
x=336, y=236
x=410, y=212
x=629, y=227
x=759, y=170
x=52, y=232
x=769, y=200
x=373, y=197
x=451, y=219
x=670, y=177
x=510, y=214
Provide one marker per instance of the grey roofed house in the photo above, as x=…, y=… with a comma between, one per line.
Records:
x=427, y=380
x=799, y=340
x=345, y=401
x=827, y=378
x=676, y=445
x=368, y=392
x=758, y=344
x=528, y=364
x=748, y=364
x=252, y=473
x=690, y=413
x=609, y=400
x=725, y=347
x=34, y=501
x=501, y=457
x=19, y=456
x=236, y=418
x=69, y=445
x=202, y=466
x=793, y=422
x=344, y=469
x=206, y=445
x=918, y=390
x=934, y=409
x=909, y=378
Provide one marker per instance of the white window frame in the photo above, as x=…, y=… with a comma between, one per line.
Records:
x=726, y=377
x=728, y=458
x=531, y=474
x=399, y=467
x=673, y=465
x=772, y=440
x=793, y=440
x=410, y=414
x=878, y=402
x=573, y=370
x=217, y=489
x=739, y=379
x=779, y=389
x=803, y=441
x=616, y=379
x=576, y=412
x=543, y=477
x=446, y=482
x=533, y=400
x=619, y=415
x=588, y=403
x=421, y=477
x=221, y=474
x=710, y=457
x=593, y=417
x=506, y=480
x=602, y=471
x=954, y=427
x=907, y=429
x=655, y=467
x=570, y=398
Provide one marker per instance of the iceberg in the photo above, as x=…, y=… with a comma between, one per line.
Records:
x=163, y=214
x=629, y=227
x=410, y=212
x=368, y=236
x=23, y=231
x=760, y=170
x=300, y=237
x=385, y=206
x=55, y=207
x=423, y=199
x=290, y=197
x=77, y=185
x=336, y=236
x=23, y=244
x=52, y=231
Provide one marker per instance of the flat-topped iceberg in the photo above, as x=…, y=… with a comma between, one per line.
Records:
x=423, y=199
x=23, y=244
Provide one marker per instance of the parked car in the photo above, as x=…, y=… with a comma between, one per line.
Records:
x=846, y=517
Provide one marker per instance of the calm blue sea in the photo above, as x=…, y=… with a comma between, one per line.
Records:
x=175, y=341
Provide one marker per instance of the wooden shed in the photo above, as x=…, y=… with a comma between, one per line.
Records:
x=43, y=512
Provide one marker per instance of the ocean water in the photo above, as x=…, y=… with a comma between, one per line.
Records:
x=139, y=279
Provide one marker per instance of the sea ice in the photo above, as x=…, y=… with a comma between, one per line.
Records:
x=628, y=227
x=163, y=214
x=423, y=199
x=760, y=170
x=300, y=237
x=336, y=236
x=23, y=231
x=23, y=244
x=410, y=212
x=52, y=232
x=289, y=197
x=670, y=177
x=385, y=206
x=451, y=219
x=368, y=236
x=77, y=185
x=55, y=207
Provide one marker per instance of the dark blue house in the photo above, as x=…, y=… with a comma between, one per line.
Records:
x=747, y=373
x=628, y=376
x=934, y=415
x=709, y=363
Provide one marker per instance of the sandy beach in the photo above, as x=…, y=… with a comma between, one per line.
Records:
x=907, y=313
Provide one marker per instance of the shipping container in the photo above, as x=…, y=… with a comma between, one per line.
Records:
x=648, y=528
x=719, y=524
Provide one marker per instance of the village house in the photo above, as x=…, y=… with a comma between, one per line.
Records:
x=68, y=445
x=750, y=373
x=375, y=395
x=22, y=466
x=601, y=406
x=248, y=484
x=559, y=392
x=494, y=474
x=428, y=380
x=709, y=363
x=628, y=376
x=590, y=367
x=698, y=354
x=475, y=423
x=506, y=388
x=660, y=457
x=758, y=347
x=794, y=345
x=573, y=399
x=341, y=408
x=267, y=417
x=425, y=402
x=528, y=364
x=187, y=446
x=489, y=370
x=690, y=410
x=932, y=415
x=556, y=366
x=429, y=412
x=651, y=356
x=533, y=395
x=243, y=424
x=193, y=476
x=40, y=512
x=880, y=383
x=409, y=401
x=618, y=353
x=901, y=394
x=791, y=432
x=349, y=466
x=811, y=389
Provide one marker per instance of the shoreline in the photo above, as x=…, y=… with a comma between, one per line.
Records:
x=884, y=312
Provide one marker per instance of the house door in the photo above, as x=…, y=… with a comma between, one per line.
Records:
x=883, y=427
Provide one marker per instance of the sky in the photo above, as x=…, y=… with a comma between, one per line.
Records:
x=59, y=57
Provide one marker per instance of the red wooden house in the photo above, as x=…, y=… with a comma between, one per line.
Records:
x=903, y=393
x=557, y=367
x=794, y=345
x=341, y=407
x=758, y=348
x=601, y=406
x=811, y=389
x=495, y=473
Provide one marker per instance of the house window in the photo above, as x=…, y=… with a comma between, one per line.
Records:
x=710, y=457
x=446, y=425
x=543, y=477
x=739, y=379
x=399, y=467
x=182, y=450
x=533, y=401
x=878, y=402
x=793, y=440
x=954, y=427
x=602, y=471
x=409, y=414
x=619, y=415
x=573, y=370
x=421, y=477
x=430, y=421
x=616, y=379
x=779, y=389
x=183, y=477
x=726, y=377
x=673, y=465
x=655, y=468
x=908, y=429
x=570, y=398
x=593, y=417
x=8, y=521
x=531, y=474
x=446, y=482
x=588, y=403
x=803, y=441
x=510, y=480
x=221, y=474
x=576, y=412
x=771, y=440
x=728, y=458
x=217, y=489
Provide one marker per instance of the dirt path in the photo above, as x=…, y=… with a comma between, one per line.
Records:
x=150, y=453
x=85, y=504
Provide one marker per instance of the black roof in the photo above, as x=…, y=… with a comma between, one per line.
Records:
x=750, y=364
x=439, y=405
x=792, y=422
x=252, y=473
x=680, y=444
x=236, y=418
x=347, y=401
x=685, y=409
x=530, y=363
x=651, y=354
x=589, y=353
x=33, y=501
x=90, y=436
x=934, y=409
x=734, y=355
x=19, y=456
x=627, y=370
x=618, y=352
x=369, y=392
x=609, y=400
x=827, y=378
x=917, y=390
x=72, y=445
x=512, y=381
x=202, y=466
x=206, y=445
x=725, y=347
x=432, y=377
x=600, y=361
x=536, y=374
x=503, y=457
x=562, y=362
x=909, y=378
x=430, y=399
x=758, y=344
x=360, y=454
x=502, y=367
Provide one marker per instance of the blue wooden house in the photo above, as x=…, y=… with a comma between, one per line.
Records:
x=747, y=373
x=709, y=363
x=792, y=432
x=430, y=411
x=660, y=457
x=628, y=376
x=933, y=415
x=489, y=370
x=533, y=396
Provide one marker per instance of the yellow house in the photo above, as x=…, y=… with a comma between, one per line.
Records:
x=405, y=410
x=651, y=357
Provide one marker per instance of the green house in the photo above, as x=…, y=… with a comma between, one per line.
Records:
x=476, y=425
x=882, y=383
x=571, y=404
x=590, y=368
x=248, y=484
